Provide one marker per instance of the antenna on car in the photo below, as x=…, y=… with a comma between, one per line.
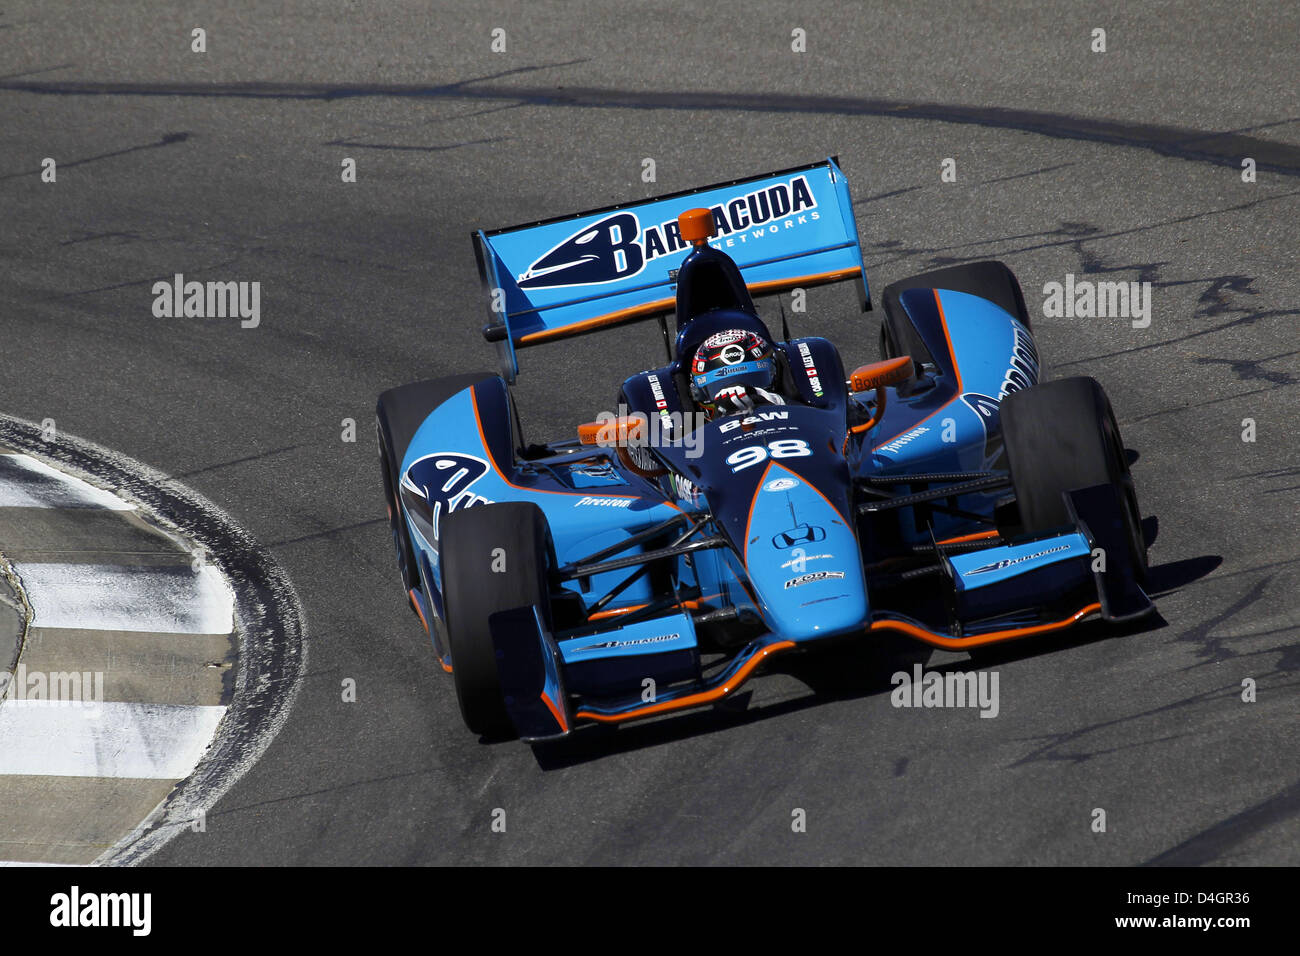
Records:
x=785, y=328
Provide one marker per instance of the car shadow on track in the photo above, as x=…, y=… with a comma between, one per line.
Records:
x=844, y=670
x=849, y=670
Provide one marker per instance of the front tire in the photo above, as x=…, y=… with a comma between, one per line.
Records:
x=1060, y=436
x=494, y=558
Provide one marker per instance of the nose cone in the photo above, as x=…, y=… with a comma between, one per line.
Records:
x=803, y=560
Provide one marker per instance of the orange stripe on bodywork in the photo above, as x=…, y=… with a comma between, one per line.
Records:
x=694, y=700
x=617, y=611
x=666, y=305
x=943, y=321
x=599, y=322
x=415, y=603
x=555, y=712
x=816, y=278
x=978, y=640
x=905, y=627
x=977, y=536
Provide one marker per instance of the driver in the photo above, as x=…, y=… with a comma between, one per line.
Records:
x=733, y=371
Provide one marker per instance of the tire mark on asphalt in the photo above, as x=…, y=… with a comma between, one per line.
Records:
x=1075, y=233
x=418, y=149
x=1187, y=408
x=889, y=195
x=1032, y=172
x=100, y=235
x=1250, y=318
x=1217, y=148
x=240, y=461
x=167, y=140
x=1214, y=650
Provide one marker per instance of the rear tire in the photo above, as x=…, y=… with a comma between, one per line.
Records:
x=472, y=591
x=1060, y=436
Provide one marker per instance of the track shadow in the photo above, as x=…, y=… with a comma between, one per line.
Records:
x=838, y=671
x=1166, y=578
x=847, y=669
x=1150, y=530
x=853, y=668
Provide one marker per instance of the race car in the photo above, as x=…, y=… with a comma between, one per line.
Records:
x=746, y=498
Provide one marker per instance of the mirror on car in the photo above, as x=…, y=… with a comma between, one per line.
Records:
x=893, y=371
x=612, y=431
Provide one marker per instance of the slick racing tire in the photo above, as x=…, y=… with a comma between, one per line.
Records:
x=474, y=543
x=1060, y=436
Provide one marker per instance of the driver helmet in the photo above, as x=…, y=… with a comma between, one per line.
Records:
x=727, y=359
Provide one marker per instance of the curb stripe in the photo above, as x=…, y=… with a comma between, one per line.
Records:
x=135, y=665
x=109, y=820
x=79, y=817
x=147, y=741
x=125, y=598
x=28, y=483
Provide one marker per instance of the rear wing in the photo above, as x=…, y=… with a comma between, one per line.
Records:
x=549, y=280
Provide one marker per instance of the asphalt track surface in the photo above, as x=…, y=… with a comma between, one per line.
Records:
x=1122, y=165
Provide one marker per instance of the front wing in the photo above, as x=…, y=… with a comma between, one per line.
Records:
x=1009, y=590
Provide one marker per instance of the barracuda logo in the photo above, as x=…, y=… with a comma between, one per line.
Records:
x=1009, y=562
x=443, y=480
x=615, y=247
x=610, y=645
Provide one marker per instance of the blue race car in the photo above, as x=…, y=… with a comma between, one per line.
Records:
x=748, y=497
